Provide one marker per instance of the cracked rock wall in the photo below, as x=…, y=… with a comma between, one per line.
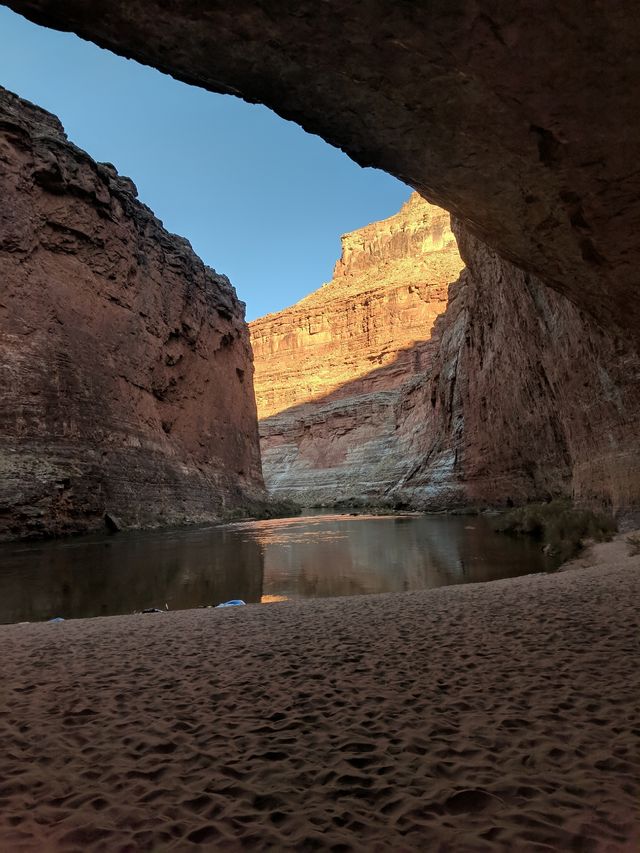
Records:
x=528, y=397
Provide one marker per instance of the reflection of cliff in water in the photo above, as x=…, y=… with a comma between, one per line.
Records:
x=102, y=575
x=317, y=556
x=394, y=554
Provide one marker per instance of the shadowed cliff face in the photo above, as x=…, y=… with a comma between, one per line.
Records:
x=521, y=118
x=361, y=443
x=126, y=376
x=527, y=398
x=516, y=395
x=534, y=397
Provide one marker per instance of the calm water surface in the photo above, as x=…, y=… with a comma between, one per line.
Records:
x=307, y=557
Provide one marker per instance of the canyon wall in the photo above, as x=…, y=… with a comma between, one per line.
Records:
x=126, y=376
x=521, y=119
x=332, y=371
x=530, y=396
x=503, y=393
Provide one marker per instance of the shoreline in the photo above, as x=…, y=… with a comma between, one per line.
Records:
x=494, y=716
x=102, y=575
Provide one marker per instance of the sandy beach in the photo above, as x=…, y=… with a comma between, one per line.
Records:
x=502, y=716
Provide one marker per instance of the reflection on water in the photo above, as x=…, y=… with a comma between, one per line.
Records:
x=268, y=561
x=340, y=555
x=104, y=575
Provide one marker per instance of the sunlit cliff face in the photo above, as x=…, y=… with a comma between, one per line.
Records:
x=369, y=391
x=378, y=311
x=339, y=375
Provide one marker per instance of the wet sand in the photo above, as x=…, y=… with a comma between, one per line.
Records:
x=501, y=716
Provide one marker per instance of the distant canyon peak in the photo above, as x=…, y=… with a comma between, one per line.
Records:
x=332, y=370
x=375, y=315
x=413, y=380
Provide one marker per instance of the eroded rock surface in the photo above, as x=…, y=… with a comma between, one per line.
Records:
x=333, y=372
x=125, y=367
x=531, y=397
x=504, y=394
x=521, y=118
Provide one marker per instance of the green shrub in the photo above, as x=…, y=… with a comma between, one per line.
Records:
x=262, y=509
x=558, y=525
x=633, y=541
x=279, y=509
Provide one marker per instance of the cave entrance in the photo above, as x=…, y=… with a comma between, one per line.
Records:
x=550, y=192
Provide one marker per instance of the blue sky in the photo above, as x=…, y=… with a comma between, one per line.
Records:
x=260, y=200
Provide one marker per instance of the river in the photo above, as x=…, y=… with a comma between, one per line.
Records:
x=256, y=561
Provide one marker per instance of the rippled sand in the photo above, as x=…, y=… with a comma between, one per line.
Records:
x=502, y=716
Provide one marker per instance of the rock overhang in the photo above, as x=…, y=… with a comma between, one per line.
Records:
x=518, y=118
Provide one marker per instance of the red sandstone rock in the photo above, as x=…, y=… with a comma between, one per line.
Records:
x=125, y=367
x=521, y=118
x=517, y=395
x=332, y=371
x=532, y=397
x=387, y=290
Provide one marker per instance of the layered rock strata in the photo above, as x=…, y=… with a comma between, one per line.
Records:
x=126, y=377
x=333, y=371
x=515, y=395
x=528, y=397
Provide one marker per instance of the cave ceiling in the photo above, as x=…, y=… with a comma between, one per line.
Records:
x=520, y=118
